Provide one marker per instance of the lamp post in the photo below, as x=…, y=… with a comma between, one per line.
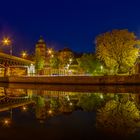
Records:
x=7, y=42
x=24, y=54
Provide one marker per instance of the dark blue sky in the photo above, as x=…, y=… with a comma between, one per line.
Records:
x=71, y=23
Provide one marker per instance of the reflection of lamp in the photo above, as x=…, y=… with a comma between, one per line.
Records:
x=7, y=122
x=50, y=111
x=24, y=108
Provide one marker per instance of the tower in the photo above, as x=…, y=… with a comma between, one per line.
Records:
x=40, y=54
x=40, y=48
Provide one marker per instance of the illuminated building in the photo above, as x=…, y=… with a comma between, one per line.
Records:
x=41, y=48
x=40, y=55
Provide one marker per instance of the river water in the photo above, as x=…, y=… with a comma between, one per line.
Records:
x=69, y=112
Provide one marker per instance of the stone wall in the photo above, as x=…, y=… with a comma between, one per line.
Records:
x=134, y=79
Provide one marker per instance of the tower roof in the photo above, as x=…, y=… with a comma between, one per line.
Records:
x=41, y=40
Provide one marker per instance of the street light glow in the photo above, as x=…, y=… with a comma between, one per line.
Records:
x=24, y=54
x=50, y=51
x=50, y=111
x=6, y=41
x=101, y=67
x=24, y=108
x=6, y=122
x=70, y=60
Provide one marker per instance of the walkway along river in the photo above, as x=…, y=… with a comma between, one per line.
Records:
x=81, y=80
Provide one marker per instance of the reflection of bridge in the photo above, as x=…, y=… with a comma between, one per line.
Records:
x=7, y=103
x=75, y=88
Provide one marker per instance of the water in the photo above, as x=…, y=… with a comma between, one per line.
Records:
x=69, y=112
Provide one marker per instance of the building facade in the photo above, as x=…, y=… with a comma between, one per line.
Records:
x=40, y=54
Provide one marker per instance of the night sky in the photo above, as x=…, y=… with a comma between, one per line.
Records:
x=65, y=23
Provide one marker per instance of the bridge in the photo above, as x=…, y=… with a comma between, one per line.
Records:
x=7, y=62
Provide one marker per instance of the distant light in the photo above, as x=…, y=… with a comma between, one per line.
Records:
x=68, y=98
x=6, y=122
x=24, y=54
x=70, y=60
x=101, y=96
x=6, y=41
x=101, y=67
x=50, y=51
x=50, y=111
x=24, y=108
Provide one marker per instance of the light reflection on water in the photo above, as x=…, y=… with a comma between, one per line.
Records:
x=57, y=114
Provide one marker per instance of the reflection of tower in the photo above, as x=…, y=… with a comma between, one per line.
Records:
x=40, y=48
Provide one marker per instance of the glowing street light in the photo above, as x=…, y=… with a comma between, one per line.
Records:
x=50, y=51
x=70, y=60
x=101, y=67
x=24, y=54
x=7, y=42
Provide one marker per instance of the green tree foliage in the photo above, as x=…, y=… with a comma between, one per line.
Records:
x=54, y=104
x=120, y=117
x=39, y=61
x=64, y=56
x=117, y=50
x=40, y=108
x=54, y=62
x=89, y=63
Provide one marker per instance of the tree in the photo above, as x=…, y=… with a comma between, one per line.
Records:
x=54, y=62
x=39, y=61
x=64, y=56
x=89, y=63
x=90, y=102
x=117, y=50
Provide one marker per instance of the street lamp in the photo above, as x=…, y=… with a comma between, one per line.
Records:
x=7, y=42
x=24, y=54
x=70, y=60
x=101, y=68
x=50, y=51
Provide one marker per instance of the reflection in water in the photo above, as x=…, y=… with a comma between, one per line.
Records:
x=116, y=113
x=120, y=115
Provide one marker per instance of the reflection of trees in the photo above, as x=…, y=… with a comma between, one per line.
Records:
x=118, y=117
x=46, y=107
x=40, y=108
x=90, y=102
x=54, y=104
x=65, y=105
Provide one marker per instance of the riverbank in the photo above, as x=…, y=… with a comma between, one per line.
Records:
x=75, y=88
x=79, y=80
